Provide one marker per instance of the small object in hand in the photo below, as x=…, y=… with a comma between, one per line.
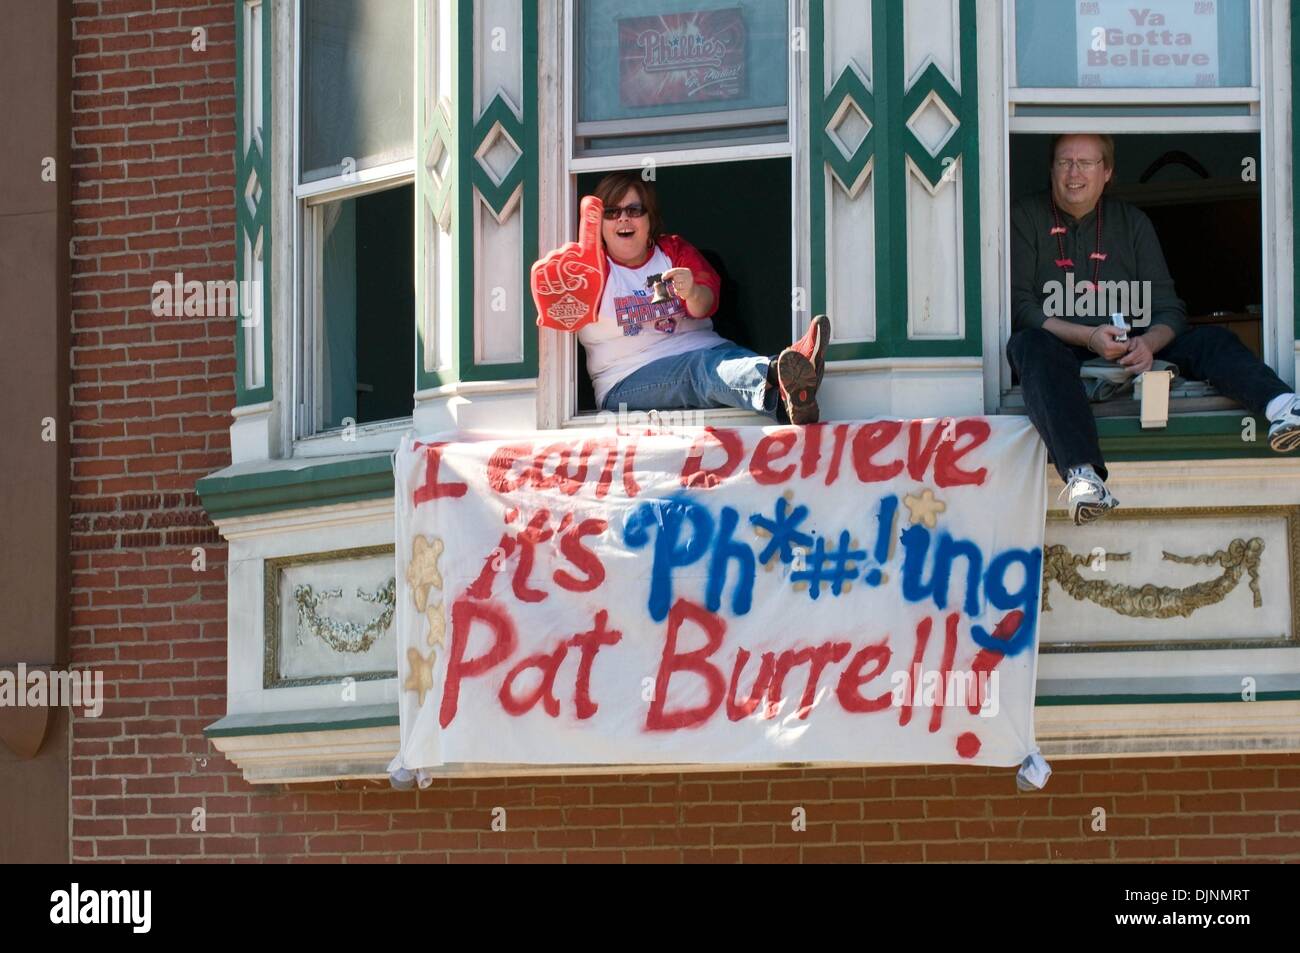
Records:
x=660, y=286
x=1118, y=321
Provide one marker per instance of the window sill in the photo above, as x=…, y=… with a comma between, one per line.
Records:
x=269, y=485
x=359, y=742
x=1187, y=437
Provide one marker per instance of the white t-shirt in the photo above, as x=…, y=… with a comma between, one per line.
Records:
x=630, y=332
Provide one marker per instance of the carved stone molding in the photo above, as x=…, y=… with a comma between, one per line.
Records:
x=342, y=636
x=1240, y=557
x=1150, y=601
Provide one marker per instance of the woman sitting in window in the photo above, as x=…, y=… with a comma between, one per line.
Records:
x=665, y=355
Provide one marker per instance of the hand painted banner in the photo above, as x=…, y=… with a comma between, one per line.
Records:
x=847, y=592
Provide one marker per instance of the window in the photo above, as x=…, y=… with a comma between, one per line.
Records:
x=684, y=76
x=702, y=98
x=354, y=353
x=1183, y=86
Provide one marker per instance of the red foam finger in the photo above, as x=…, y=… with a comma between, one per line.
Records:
x=590, y=211
x=568, y=282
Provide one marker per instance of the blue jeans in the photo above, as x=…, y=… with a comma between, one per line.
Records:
x=727, y=375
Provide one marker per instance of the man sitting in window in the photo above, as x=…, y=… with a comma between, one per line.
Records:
x=1073, y=234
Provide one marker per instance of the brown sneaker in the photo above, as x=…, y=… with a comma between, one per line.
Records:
x=814, y=343
x=797, y=381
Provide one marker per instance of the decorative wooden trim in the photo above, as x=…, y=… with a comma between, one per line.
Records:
x=272, y=568
x=1292, y=516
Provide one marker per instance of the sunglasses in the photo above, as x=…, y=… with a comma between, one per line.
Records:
x=612, y=212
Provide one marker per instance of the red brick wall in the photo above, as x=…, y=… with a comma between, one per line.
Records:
x=153, y=133
x=153, y=140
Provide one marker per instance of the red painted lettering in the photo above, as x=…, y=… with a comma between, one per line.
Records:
x=946, y=471
x=738, y=708
x=431, y=489
x=818, y=657
x=581, y=557
x=922, y=639
x=660, y=719
x=918, y=456
x=729, y=440
x=837, y=453
x=590, y=643
x=464, y=613
x=849, y=688
x=870, y=440
x=770, y=449
x=547, y=663
x=812, y=450
x=502, y=462
x=945, y=670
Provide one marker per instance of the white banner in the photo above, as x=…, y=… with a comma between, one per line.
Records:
x=852, y=592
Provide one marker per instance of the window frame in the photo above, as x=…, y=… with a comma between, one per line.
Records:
x=559, y=406
x=719, y=120
x=302, y=407
x=1118, y=95
x=1269, y=112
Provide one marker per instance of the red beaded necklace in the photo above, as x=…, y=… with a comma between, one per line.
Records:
x=1097, y=257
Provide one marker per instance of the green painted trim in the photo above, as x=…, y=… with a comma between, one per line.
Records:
x=933, y=167
x=816, y=161
x=315, y=719
x=1054, y=701
x=247, y=223
x=264, y=490
x=498, y=112
x=890, y=174
x=462, y=215
x=523, y=175
x=849, y=86
x=1187, y=437
x=972, y=235
x=431, y=127
x=892, y=143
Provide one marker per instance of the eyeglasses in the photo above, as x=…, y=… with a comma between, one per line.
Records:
x=1083, y=165
x=612, y=212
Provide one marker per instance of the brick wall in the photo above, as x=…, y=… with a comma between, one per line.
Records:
x=153, y=139
x=153, y=133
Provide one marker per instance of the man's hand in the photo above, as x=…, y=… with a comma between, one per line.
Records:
x=1101, y=341
x=567, y=283
x=1139, y=356
x=683, y=281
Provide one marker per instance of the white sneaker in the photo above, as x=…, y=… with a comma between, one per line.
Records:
x=1087, y=496
x=1284, y=434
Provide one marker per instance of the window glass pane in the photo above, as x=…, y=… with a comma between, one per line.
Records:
x=683, y=60
x=367, y=317
x=1153, y=44
x=357, y=62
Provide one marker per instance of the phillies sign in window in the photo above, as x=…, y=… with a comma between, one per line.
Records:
x=681, y=57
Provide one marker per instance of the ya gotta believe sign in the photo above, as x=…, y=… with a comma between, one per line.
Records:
x=851, y=592
x=1162, y=44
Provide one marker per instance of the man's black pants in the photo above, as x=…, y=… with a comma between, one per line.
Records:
x=1056, y=402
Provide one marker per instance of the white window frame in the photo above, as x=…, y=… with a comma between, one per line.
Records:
x=558, y=406
x=301, y=408
x=1269, y=101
